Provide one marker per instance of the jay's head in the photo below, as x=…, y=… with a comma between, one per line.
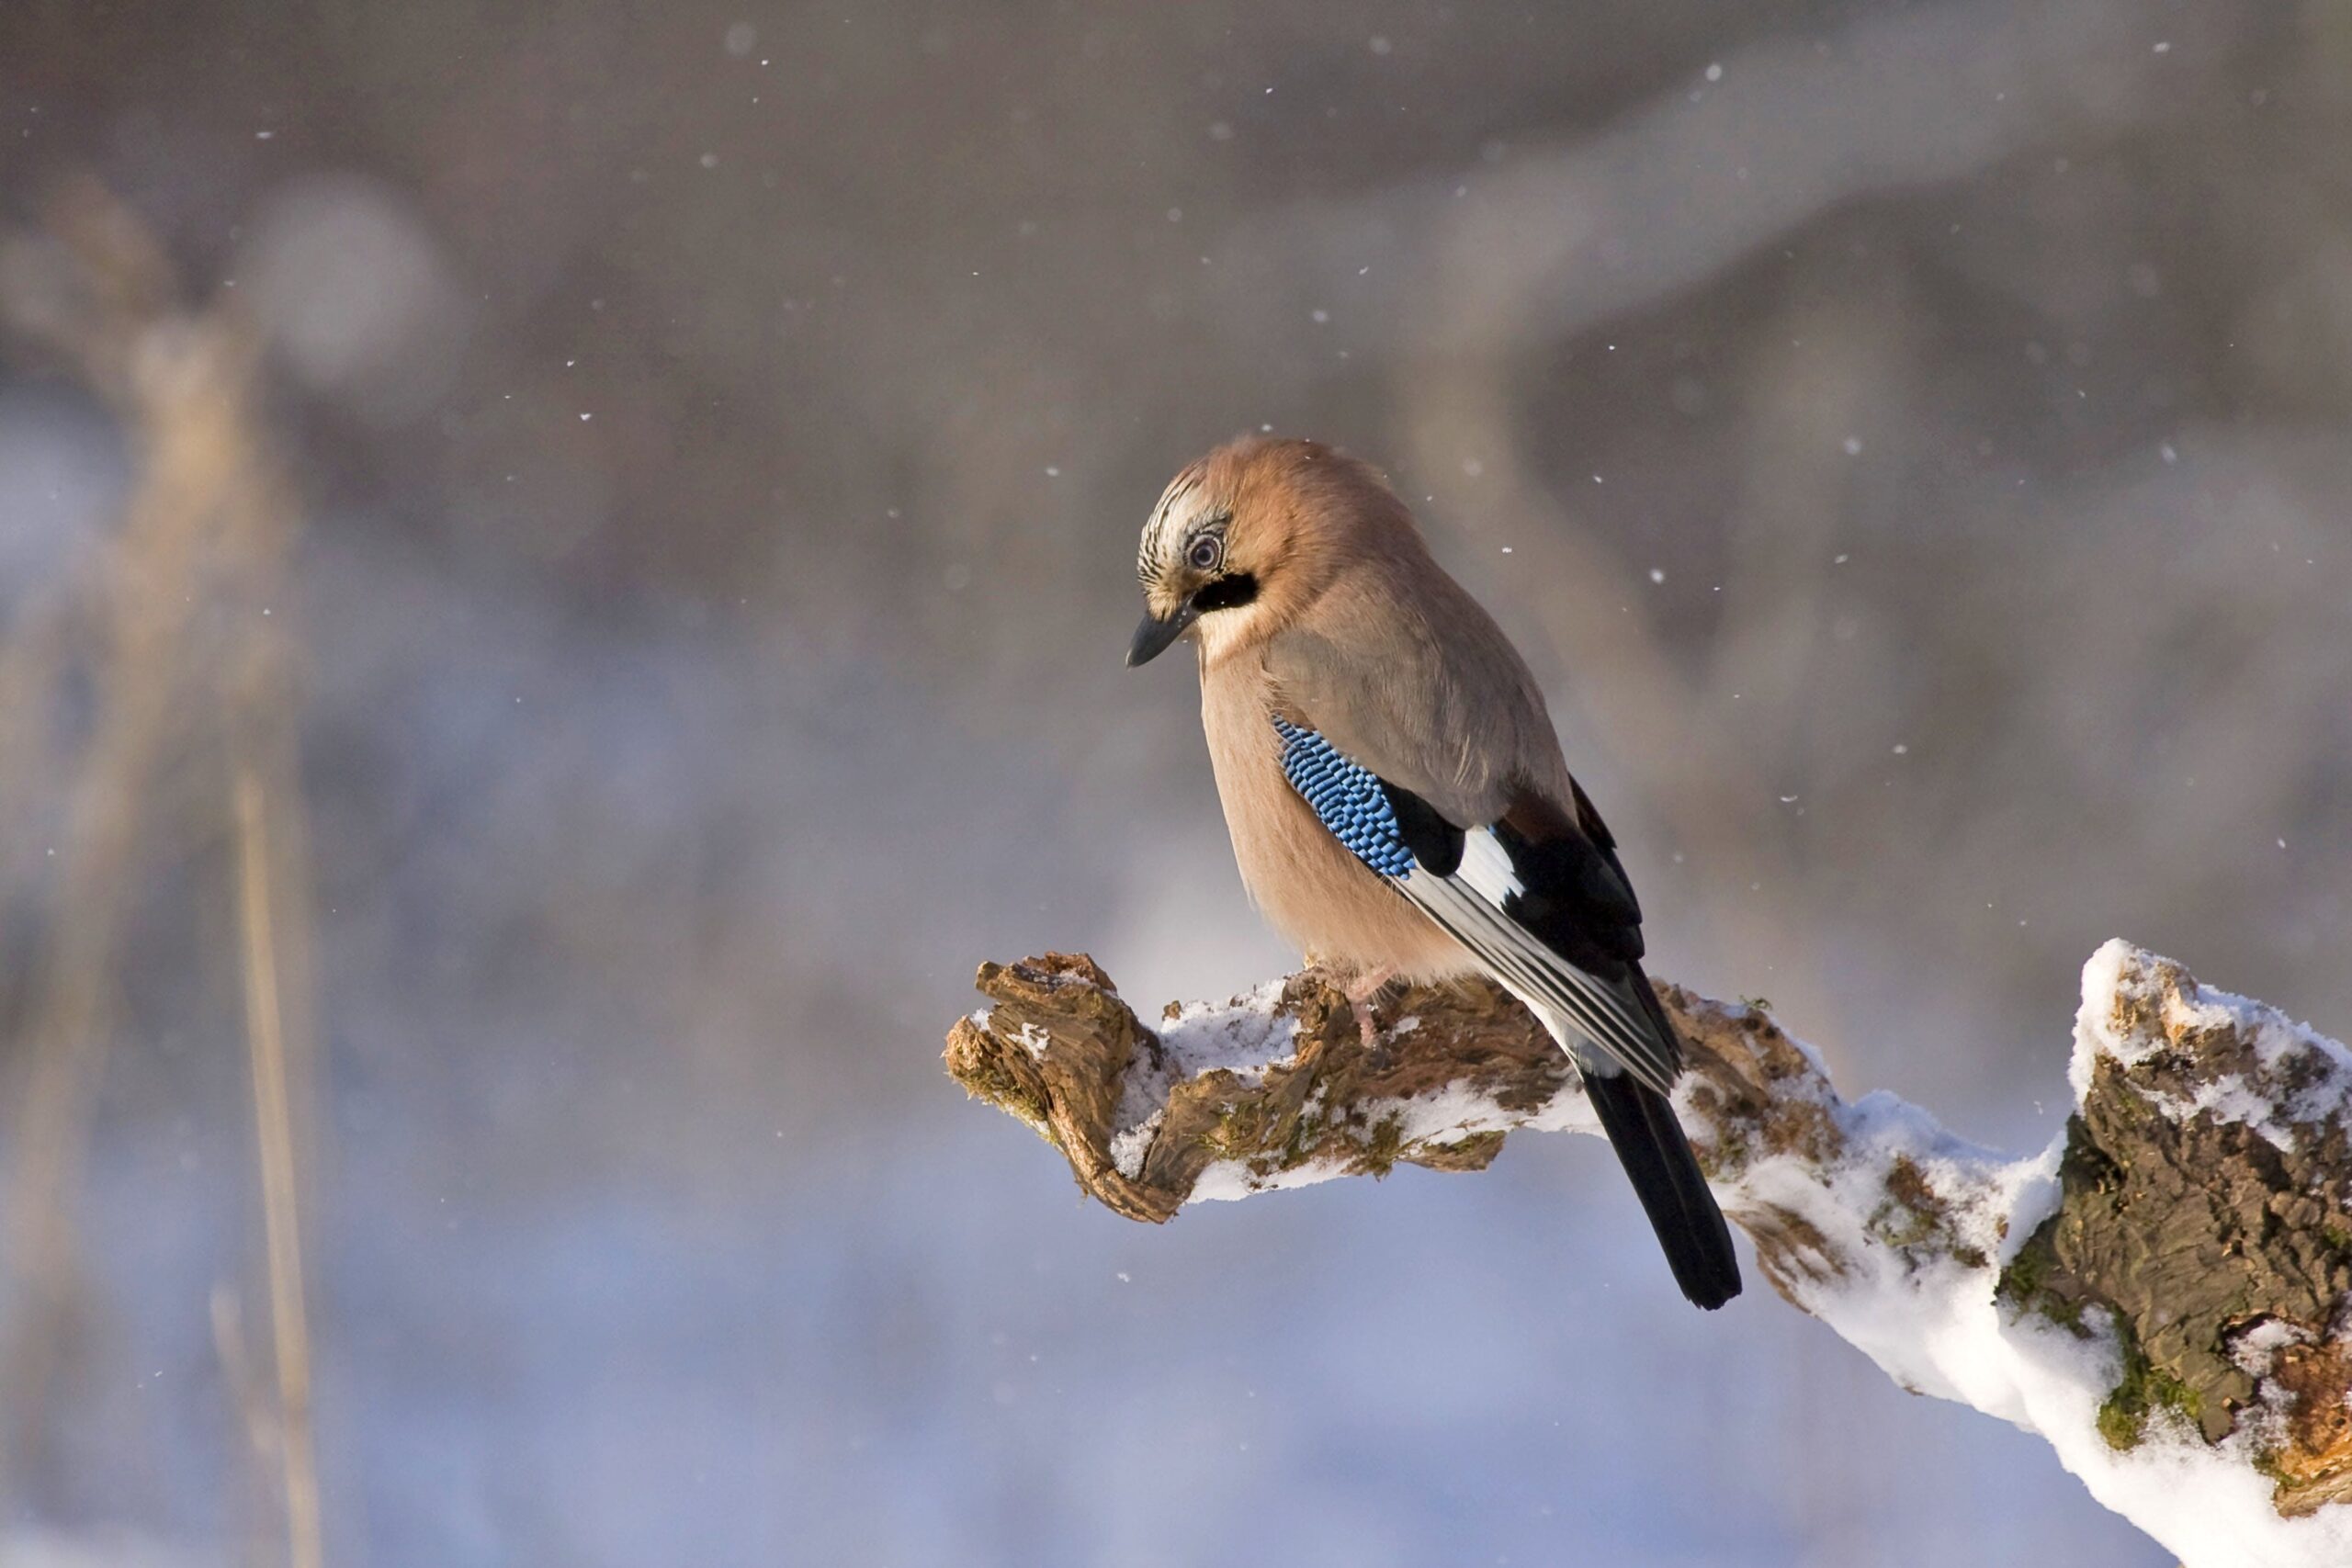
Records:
x=1245, y=540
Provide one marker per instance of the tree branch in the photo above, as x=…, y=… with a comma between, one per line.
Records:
x=2165, y=1294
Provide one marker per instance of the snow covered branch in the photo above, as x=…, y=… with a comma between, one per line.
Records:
x=2164, y=1293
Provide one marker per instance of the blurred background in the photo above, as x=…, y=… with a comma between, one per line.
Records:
x=563, y=573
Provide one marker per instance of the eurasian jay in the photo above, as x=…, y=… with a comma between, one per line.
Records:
x=1397, y=800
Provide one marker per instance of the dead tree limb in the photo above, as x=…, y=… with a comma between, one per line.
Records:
x=2164, y=1293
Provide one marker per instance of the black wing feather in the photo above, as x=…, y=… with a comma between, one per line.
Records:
x=1579, y=901
x=1576, y=895
x=1436, y=843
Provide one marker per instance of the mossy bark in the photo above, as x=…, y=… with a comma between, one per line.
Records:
x=2194, y=1231
x=2176, y=1234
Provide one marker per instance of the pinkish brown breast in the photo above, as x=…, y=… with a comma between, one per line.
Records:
x=1308, y=886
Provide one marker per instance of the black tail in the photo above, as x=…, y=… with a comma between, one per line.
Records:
x=1658, y=1158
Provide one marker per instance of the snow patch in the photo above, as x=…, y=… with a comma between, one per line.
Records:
x=2121, y=984
x=1226, y=1180
x=1244, y=1037
x=1129, y=1146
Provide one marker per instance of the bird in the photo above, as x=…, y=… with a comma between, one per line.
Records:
x=1399, y=802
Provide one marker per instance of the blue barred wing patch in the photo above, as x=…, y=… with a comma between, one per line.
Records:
x=1347, y=799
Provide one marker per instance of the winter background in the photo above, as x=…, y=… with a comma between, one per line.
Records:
x=1908, y=440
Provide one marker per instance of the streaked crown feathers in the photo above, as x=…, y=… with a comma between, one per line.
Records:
x=1183, y=511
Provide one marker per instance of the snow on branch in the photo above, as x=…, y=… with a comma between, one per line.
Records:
x=2164, y=1293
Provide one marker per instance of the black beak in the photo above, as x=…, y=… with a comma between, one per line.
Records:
x=1153, y=636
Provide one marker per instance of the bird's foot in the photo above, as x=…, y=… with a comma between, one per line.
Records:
x=1361, y=988
x=1361, y=993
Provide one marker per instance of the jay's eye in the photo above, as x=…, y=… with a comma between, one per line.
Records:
x=1205, y=552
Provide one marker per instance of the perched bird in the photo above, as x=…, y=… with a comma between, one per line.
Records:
x=1397, y=800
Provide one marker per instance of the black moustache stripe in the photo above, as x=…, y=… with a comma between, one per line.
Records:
x=1228, y=592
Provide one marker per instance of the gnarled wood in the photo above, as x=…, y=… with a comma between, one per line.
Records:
x=2196, y=1232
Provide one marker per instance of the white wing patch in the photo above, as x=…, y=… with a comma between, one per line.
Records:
x=1600, y=1024
x=1485, y=866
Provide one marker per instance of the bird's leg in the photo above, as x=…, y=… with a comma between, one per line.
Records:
x=1361, y=994
x=1361, y=988
x=1366, y=989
